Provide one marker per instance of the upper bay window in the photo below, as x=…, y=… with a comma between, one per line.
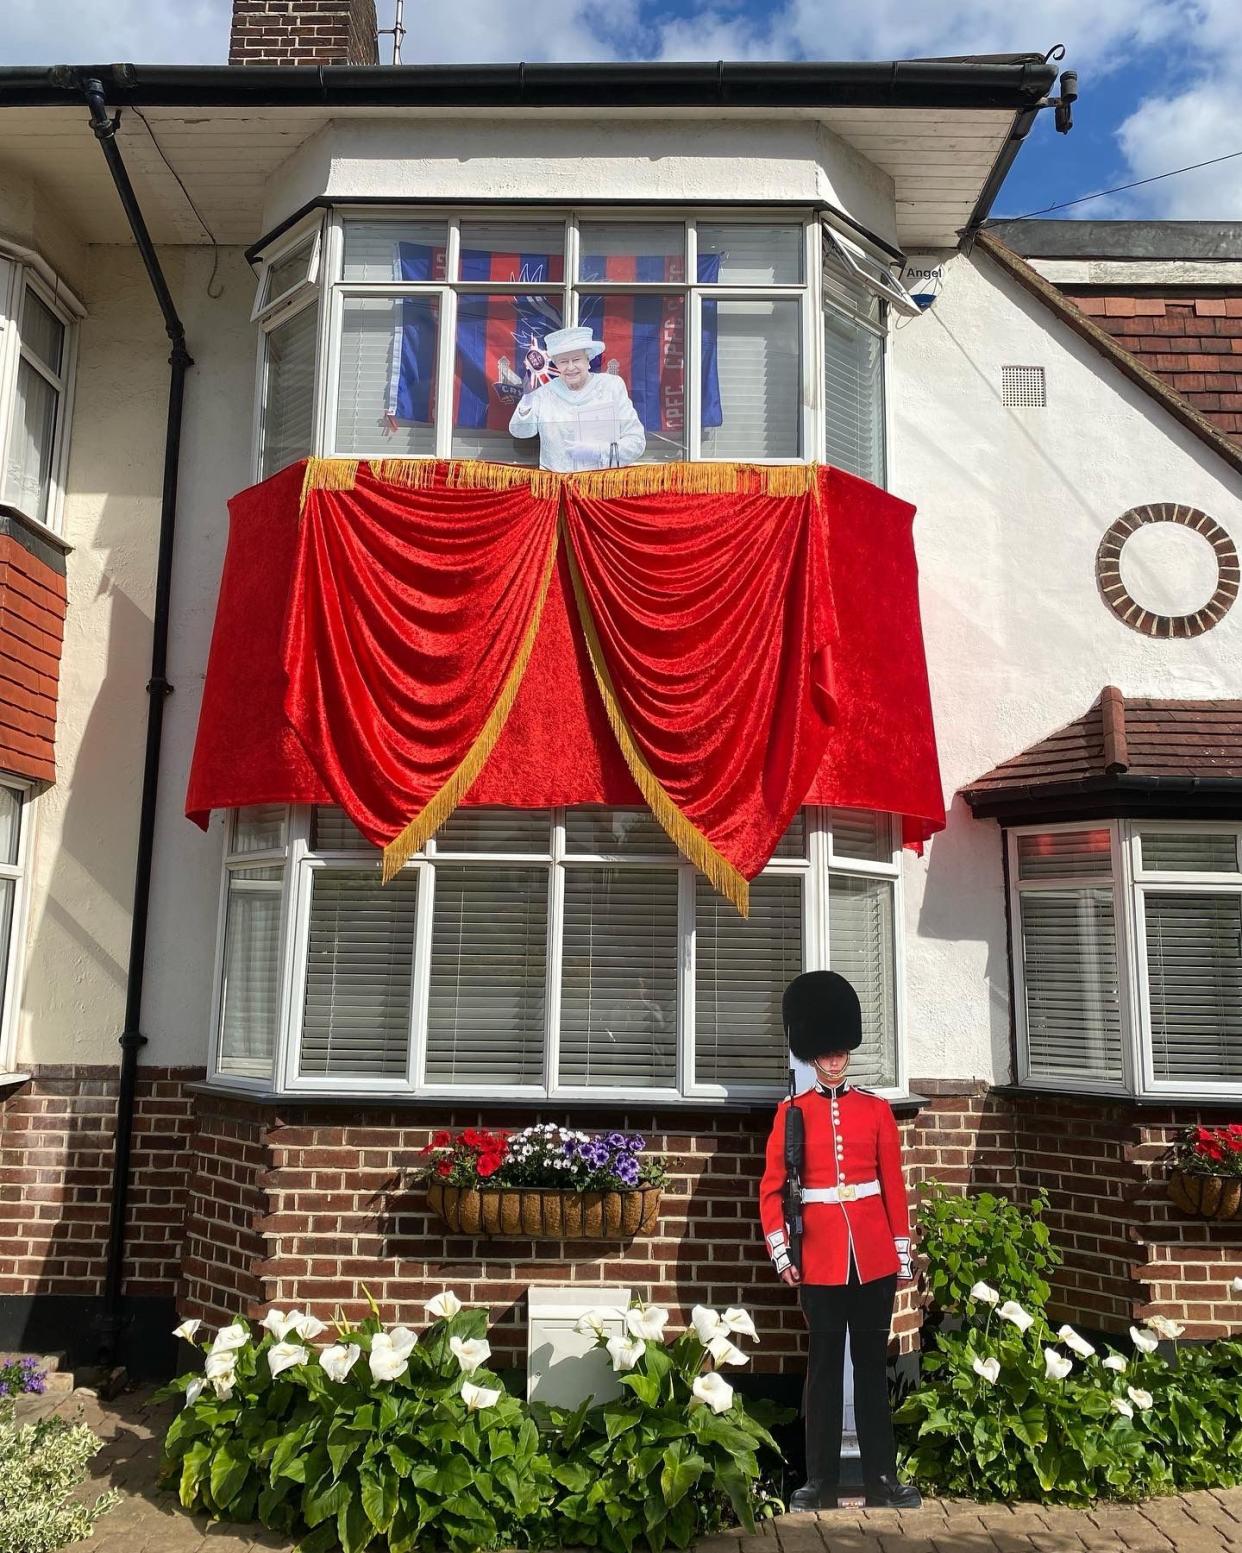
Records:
x=36, y=358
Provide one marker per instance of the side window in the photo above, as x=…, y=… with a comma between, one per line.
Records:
x=287, y=310
x=37, y=343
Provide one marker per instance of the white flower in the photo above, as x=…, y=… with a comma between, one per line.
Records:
x=724, y=1352
x=221, y=1366
x=338, y=1360
x=1122, y=1407
x=647, y=1322
x=187, y=1329
x=1141, y=1399
x=1115, y=1362
x=403, y=1341
x=1012, y=1311
x=1074, y=1343
x=385, y=1360
x=279, y=1322
x=593, y=1323
x=283, y=1356
x=194, y=1390
x=476, y=1397
x=1236, y=1286
x=222, y=1385
x=470, y=1352
x=230, y=1338
x=1163, y=1327
x=444, y=1307
x=714, y=1390
x=738, y=1320
x=308, y=1327
x=625, y=1352
x=1143, y=1341
x=989, y=1369
x=707, y=1323
x=986, y=1293
x=1056, y=1366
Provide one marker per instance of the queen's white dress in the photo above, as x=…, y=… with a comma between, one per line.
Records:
x=592, y=427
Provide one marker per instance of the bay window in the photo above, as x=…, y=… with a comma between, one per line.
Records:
x=37, y=340
x=567, y=954
x=15, y=826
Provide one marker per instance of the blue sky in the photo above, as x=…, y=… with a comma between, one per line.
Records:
x=1160, y=79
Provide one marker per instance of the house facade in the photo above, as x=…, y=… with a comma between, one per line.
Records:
x=354, y=258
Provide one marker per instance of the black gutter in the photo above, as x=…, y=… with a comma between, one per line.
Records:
x=1009, y=82
x=1101, y=797
x=1021, y=128
x=132, y=1039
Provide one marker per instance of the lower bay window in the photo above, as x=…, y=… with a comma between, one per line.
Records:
x=1127, y=945
x=563, y=954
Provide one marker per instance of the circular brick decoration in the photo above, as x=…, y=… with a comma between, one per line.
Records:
x=1128, y=610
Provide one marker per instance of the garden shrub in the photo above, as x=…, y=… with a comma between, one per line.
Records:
x=40, y=1465
x=984, y=1238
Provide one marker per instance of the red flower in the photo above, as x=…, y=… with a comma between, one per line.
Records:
x=444, y=1167
x=488, y=1164
x=441, y=1139
x=474, y=1139
x=1212, y=1150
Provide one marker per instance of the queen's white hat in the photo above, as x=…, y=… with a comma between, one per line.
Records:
x=561, y=341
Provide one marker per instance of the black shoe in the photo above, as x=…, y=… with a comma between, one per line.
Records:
x=889, y=1494
x=813, y=1495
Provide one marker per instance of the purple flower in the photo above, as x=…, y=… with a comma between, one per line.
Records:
x=617, y=1141
x=595, y=1154
x=637, y=1143
x=626, y=1169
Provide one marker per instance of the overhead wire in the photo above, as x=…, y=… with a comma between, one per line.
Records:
x=211, y=236
x=1120, y=188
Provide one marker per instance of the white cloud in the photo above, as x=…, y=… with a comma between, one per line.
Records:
x=145, y=32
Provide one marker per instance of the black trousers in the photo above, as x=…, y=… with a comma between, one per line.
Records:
x=866, y=1311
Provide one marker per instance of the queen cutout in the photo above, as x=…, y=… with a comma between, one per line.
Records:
x=583, y=419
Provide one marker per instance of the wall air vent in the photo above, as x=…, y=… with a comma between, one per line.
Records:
x=1024, y=387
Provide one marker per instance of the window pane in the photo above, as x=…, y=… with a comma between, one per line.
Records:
x=644, y=338
x=289, y=401
x=619, y=978
x=8, y=894
x=752, y=379
x=632, y=250
x=593, y=831
x=43, y=334
x=742, y=966
x=28, y=476
x=486, y=1006
x=843, y=287
x=395, y=250
x=496, y=830
x=860, y=948
x=854, y=397
x=494, y=334
x=359, y=970
x=334, y=831
x=10, y=824
x=1064, y=852
x=1194, y=978
x=1197, y=852
x=530, y=254
x=866, y=834
x=386, y=387
x=1069, y=966
x=259, y=828
x=250, y=996
x=288, y=272
x=750, y=255
x=793, y=842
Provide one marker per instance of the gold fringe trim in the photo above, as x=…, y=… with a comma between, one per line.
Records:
x=430, y=818
x=467, y=475
x=328, y=474
x=684, y=834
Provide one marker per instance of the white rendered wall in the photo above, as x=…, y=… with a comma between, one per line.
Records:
x=1012, y=506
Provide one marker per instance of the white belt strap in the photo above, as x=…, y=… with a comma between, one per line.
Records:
x=847, y=1193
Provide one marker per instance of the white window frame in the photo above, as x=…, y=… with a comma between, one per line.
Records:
x=816, y=869
x=24, y=278
x=271, y=315
x=19, y=872
x=1130, y=884
x=868, y=269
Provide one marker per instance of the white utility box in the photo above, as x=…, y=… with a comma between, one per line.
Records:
x=563, y=1367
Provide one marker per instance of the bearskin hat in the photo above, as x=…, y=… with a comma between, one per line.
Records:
x=821, y=1014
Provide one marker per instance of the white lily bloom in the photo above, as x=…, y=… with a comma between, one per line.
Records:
x=1056, y=1366
x=338, y=1360
x=385, y=1361
x=219, y=1365
x=740, y=1321
x=724, y=1352
x=594, y=1322
x=989, y=1369
x=230, y=1338
x=444, y=1307
x=1141, y=1399
x=1012, y=1311
x=625, y=1352
x=279, y=1322
x=194, y=1390
x=476, y=1397
x=222, y=1385
x=986, y=1293
x=714, y=1390
x=707, y=1323
x=647, y=1322
x=1115, y=1362
x=283, y=1356
x=1143, y=1341
x=470, y=1352
x=308, y=1327
x=1074, y=1343
x=403, y=1341
x=187, y=1329
x=1163, y=1327
x=1119, y=1405
x=1236, y=1286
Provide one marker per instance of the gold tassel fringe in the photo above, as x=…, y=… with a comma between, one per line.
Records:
x=328, y=474
x=684, y=834
x=430, y=818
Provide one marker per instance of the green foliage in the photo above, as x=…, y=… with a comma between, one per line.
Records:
x=986, y=1239
x=40, y=1464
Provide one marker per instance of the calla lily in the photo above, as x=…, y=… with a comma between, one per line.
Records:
x=1115, y=1362
x=647, y=1322
x=714, y=1390
x=1143, y=1341
x=1120, y=1406
x=625, y=1352
x=194, y=1390
x=740, y=1322
x=444, y=1307
x=724, y=1352
x=222, y=1385
x=403, y=1341
x=1012, y=1311
x=594, y=1322
x=707, y=1324
x=1141, y=1399
x=476, y=1397
x=1074, y=1343
x=283, y=1356
x=279, y=1322
x=187, y=1329
x=989, y=1369
x=230, y=1338
x=1056, y=1366
x=986, y=1293
x=470, y=1352
x=338, y=1360
x=1236, y=1286
x=385, y=1361
x=1163, y=1327
x=308, y=1327
x=218, y=1365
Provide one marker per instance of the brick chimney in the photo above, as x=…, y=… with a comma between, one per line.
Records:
x=303, y=32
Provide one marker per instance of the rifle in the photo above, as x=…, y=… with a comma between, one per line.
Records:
x=795, y=1157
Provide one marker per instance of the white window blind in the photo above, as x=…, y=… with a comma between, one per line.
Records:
x=759, y=368
x=1185, y=851
x=359, y=969
x=861, y=948
x=1194, y=980
x=742, y=966
x=486, y=1005
x=289, y=402
x=1070, y=976
x=367, y=374
x=249, y=1009
x=1061, y=854
x=853, y=397
x=619, y=978
x=864, y=834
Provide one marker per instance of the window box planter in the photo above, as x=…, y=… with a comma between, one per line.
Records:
x=1206, y=1196
x=548, y=1213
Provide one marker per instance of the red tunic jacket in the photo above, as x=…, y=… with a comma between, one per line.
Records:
x=851, y=1137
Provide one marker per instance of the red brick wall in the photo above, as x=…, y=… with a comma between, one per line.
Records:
x=32, y=620
x=303, y=32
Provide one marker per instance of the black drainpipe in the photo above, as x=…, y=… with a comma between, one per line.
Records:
x=132, y=1040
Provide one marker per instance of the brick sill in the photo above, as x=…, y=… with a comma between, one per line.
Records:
x=1119, y=1097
